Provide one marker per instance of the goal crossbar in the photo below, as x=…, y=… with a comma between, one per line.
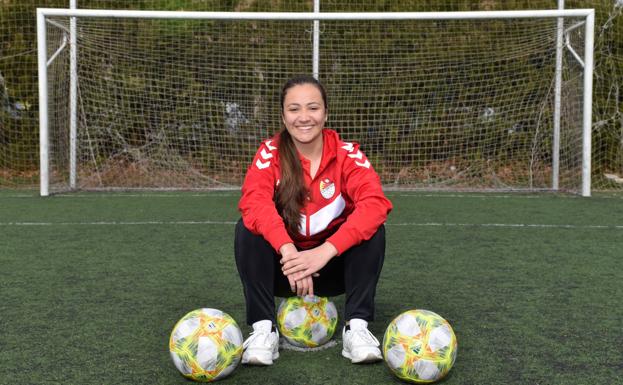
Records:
x=294, y=16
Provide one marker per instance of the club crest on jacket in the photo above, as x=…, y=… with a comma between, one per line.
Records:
x=327, y=188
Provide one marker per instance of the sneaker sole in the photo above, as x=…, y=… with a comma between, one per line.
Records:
x=257, y=360
x=368, y=358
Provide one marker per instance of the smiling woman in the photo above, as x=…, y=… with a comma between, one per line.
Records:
x=312, y=223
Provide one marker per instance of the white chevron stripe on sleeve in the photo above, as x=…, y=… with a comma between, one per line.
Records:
x=348, y=146
x=262, y=165
x=357, y=155
x=365, y=164
x=265, y=155
x=268, y=144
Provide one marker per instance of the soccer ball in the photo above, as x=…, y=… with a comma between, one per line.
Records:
x=206, y=345
x=307, y=322
x=419, y=346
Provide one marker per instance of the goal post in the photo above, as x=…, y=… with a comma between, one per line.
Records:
x=496, y=101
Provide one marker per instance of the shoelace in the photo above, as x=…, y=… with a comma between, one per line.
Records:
x=255, y=336
x=365, y=336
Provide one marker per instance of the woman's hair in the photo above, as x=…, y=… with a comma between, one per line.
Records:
x=291, y=192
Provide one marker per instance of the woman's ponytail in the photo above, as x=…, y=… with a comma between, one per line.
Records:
x=291, y=192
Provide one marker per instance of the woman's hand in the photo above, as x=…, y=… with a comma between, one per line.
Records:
x=305, y=286
x=287, y=251
x=302, y=264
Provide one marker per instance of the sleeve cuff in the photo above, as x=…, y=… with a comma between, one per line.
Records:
x=341, y=243
x=278, y=238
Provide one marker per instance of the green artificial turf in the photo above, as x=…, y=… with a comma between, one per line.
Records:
x=92, y=284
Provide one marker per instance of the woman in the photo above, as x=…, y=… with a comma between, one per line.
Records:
x=312, y=223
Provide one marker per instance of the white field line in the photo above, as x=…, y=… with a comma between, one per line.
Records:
x=117, y=195
x=118, y=223
x=236, y=193
x=512, y=225
x=230, y=223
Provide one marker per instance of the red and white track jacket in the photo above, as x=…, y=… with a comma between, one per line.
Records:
x=346, y=204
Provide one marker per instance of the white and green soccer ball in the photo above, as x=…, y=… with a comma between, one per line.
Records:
x=206, y=345
x=419, y=346
x=307, y=322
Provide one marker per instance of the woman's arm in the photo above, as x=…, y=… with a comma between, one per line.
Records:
x=363, y=185
x=259, y=213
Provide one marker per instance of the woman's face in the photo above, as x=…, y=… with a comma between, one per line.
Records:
x=304, y=113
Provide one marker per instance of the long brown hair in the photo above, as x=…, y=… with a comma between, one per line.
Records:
x=291, y=192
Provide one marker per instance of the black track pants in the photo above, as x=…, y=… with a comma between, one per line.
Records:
x=354, y=273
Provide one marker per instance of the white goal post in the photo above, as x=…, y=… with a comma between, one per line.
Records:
x=442, y=100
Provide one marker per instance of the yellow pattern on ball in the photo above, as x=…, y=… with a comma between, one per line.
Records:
x=419, y=346
x=206, y=345
x=308, y=321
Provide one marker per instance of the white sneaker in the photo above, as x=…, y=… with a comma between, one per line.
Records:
x=359, y=345
x=262, y=346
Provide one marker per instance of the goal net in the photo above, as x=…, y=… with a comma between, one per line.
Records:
x=440, y=103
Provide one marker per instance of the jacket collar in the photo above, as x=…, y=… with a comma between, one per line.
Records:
x=330, y=142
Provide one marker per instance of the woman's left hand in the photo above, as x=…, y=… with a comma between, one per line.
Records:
x=305, y=286
x=307, y=262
